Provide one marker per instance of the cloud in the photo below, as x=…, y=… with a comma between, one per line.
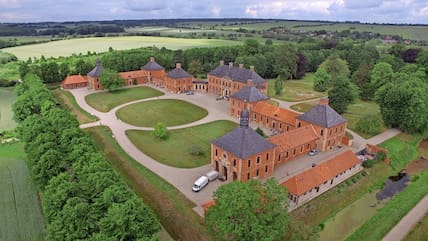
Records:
x=361, y=4
x=146, y=5
x=216, y=11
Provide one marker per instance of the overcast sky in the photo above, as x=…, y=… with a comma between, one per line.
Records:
x=380, y=11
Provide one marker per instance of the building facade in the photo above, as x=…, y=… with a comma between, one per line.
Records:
x=226, y=80
x=274, y=118
x=155, y=72
x=178, y=80
x=242, y=154
x=246, y=97
x=74, y=81
x=94, y=76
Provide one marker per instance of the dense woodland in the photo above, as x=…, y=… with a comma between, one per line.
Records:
x=83, y=197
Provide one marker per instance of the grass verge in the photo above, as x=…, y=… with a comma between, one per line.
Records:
x=175, y=149
x=168, y=111
x=386, y=218
x=420, y=231
x=21, y=215
x=68, y=101
x=402, y=149
x=172, y=208
x=7, y=98
x=105, y=101
x=296, y=90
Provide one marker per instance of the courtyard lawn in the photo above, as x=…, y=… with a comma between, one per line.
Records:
x=21, y=215
x=420, y=231
x=7, y=98
x=305, y=106
x=296, y=90
x=102, y=44
x=175, y=149
x=168, y=203
x=169, y=112
x=105, y=101
x=68, y=101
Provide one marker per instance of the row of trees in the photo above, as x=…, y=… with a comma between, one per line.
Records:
x=83, y=197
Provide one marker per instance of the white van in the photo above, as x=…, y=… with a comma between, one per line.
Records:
x=200, y=183
x=212, y=175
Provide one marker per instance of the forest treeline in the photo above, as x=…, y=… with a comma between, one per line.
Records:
x=83, y=197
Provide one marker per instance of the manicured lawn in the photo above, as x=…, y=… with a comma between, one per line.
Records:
x=296, y=90
x=402, y=149
x=172, y=208
x=333, y=201
x=420, y=231
x=105, y=101
x=21, y=215
x=68, y=101
x=174, y=151
x=358, y=110
x=169, y=112
x=353, y=114
x=7, y=98
x=102, y=44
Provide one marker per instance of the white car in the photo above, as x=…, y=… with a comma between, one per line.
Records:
x=313, y=152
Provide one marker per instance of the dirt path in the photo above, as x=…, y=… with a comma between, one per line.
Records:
x=406, y=224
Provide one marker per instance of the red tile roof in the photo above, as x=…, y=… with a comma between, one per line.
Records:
x=294, y=138
x=207, y=205
x=317, y=175
x=276, y=113
x=133, y=74
x=74, y=79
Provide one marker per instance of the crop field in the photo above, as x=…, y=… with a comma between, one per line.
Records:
x=21, y=216
x=7, y=97
x=83, y=45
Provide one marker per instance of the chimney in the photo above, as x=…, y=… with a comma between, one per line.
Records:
x=241, y=66
x=178, y=65
x=152, y=59
x=230, y=64
x=324, y=101
x=221, y=62
x=252, y=67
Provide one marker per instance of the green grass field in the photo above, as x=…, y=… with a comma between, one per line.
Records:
x=9, y=71
x=168, y=203
x=105, y=101
x=174, y=151
x=83, y=45
x=402, y=149
x=420, y=231
x=350, y=218
x=7, y=98
x=168, y=111
x=296, y=90
x=68, y=101
x=21, y=215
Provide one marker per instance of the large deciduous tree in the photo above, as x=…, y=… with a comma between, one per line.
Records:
x=322, y=80
x=404, y=104
x=160, y=131
x=335, y=67
x=249, y=211
x=381, y=74
x=342, y=94
x=286, y=61
x=110, y=80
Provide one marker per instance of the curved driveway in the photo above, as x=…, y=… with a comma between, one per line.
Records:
x=183, y=178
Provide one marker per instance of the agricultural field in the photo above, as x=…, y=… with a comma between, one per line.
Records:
x=105, y=101
x=167, y=111
x=102, y=44
x=7, y=98
x=21, y=215
x=179, y=143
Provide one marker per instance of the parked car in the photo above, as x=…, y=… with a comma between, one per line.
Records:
x=313, y=152
x=200, y=183
x=212, y=175
x=189, y=93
